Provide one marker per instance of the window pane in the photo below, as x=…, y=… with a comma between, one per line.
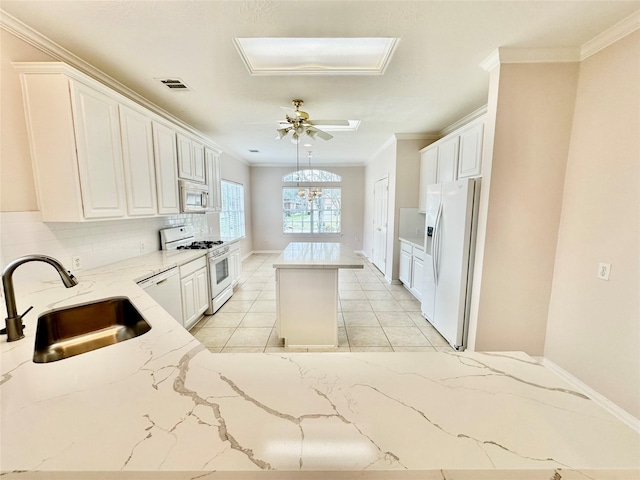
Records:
x=232, y=214
x=318, y=216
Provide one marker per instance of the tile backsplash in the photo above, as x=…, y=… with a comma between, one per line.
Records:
x=96, y=243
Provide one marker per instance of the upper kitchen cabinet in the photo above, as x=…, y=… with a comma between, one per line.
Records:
x=470, y=156
x=75, y=142
x=166, y=155
x=191, y=164
x=428, y=174
x=137, y=153
x=212, y=162
x=448, y=159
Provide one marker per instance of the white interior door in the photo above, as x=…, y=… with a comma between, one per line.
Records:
x=380, y=199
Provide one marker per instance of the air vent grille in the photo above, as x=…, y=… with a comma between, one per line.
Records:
x=174, y=84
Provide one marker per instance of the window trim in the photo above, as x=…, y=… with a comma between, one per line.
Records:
x=306, y=186
x=243, y=216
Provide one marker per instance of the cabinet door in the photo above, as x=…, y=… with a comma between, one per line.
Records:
x=404, y=275
x=197, y=151
x=448, y=160
x=417, y=277
x=166, y=162
x=185, y=158
x=99, y=153
x=139, y=170
x=470, y=158
x=428, y=175
x=189, y=290
x=202, y=287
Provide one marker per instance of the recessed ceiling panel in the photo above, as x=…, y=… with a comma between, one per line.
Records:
x=316, y=56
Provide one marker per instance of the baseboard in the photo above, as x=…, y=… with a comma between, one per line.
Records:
x=618, y=412
x=255, y=252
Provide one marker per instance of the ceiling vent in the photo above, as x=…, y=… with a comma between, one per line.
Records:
x=254, y=151
x=174, y=84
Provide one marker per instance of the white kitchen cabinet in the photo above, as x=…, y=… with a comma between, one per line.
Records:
x=411, y=269
x=235, y=264
x=212, y=162
x=74, y=135
x=428, y=174
x=138, y=158
x=448, y=160
x=166, y=165
x=470, y=155
x=190, y=159
x=417, y=274
x=404, y=273
x=194, y=287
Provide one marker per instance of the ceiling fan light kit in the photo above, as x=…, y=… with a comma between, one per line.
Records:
x=300, y=124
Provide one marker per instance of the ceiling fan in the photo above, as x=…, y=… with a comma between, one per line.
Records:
x=300, y=124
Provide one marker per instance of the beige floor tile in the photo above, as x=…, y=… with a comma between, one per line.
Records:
x=236, y=306
x=263, y=306
x=270, y=286
x=418, y=319
x=223, y=319
x=215, y=349
x=367, y=337
x=242, y=350
x=355, y=306
x=343, y=287
x=267, y=295
x=249, y=285
x=448, y=348
x=406, y=337
x=258, y=319
x=360, y=319
x=214, y=337
x=378, y=295
x=245, y=294
x=414, y=349
x=385, y=306
x=434, y=337
x=352, y=295
x=371, y=349
x=375, y=286
x=249, y=337
x=274, y=339
x=403, y=294
x=410, y=305
x=285, y=350
x=394, y=319
x=343, y=340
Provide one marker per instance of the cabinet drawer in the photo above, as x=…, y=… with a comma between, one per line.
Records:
x=405, y=247
x=418, y=253
x=192, y=266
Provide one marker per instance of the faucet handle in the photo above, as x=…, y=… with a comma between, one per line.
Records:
x=19, y=318
x=26, y=311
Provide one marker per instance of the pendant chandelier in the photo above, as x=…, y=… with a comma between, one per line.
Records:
x=314, y=192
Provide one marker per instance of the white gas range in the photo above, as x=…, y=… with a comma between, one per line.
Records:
x=183, y=238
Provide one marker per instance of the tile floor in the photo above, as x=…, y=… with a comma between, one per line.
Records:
x=373, y=315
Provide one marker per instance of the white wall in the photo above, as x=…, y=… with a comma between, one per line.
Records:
x=381, y=166
x=533, y=119
x=266, y=208
x=594, y=326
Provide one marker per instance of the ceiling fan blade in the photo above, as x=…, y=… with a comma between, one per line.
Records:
x=312, y=131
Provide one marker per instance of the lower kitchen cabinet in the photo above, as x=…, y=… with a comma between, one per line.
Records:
x=235, y=264
x=194, y=284
x=411, y=270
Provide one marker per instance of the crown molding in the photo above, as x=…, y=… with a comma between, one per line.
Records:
x=491, y=61
x=27, y=34
x=417, y=136
x=503, y=55
x=467, y=119
x=611, y=35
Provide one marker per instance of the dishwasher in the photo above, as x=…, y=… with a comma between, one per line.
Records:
x=165, y=289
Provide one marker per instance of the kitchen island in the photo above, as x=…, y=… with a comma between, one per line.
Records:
x=307, y=292
x=161, y=406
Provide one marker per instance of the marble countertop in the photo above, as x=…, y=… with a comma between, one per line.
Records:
x=318, y=255
x=414, y=241
x=161, y=404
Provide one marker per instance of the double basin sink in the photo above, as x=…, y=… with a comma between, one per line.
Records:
x=70, y=331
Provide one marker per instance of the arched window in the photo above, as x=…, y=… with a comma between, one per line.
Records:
x=312, y=175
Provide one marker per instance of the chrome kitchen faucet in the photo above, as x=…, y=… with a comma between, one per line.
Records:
x=13, y=320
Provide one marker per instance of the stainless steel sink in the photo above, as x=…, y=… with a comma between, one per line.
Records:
x=70, y=331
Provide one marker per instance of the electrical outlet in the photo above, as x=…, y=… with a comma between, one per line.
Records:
x=143, y=247
x=604, y=270
x=76, y=263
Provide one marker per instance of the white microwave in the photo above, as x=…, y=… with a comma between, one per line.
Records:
x=193, y=197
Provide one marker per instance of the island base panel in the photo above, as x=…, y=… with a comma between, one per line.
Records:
x=307, y=307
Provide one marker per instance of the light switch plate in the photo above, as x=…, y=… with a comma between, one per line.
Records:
x=604, y=269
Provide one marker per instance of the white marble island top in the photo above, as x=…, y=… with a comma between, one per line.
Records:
x=318, y=255
x=162, y=406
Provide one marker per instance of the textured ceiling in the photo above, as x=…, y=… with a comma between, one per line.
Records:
x=433, y=79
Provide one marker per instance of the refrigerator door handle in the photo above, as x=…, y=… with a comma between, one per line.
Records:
x=436, y=245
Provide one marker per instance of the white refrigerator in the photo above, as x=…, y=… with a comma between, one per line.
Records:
x=449, y=250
